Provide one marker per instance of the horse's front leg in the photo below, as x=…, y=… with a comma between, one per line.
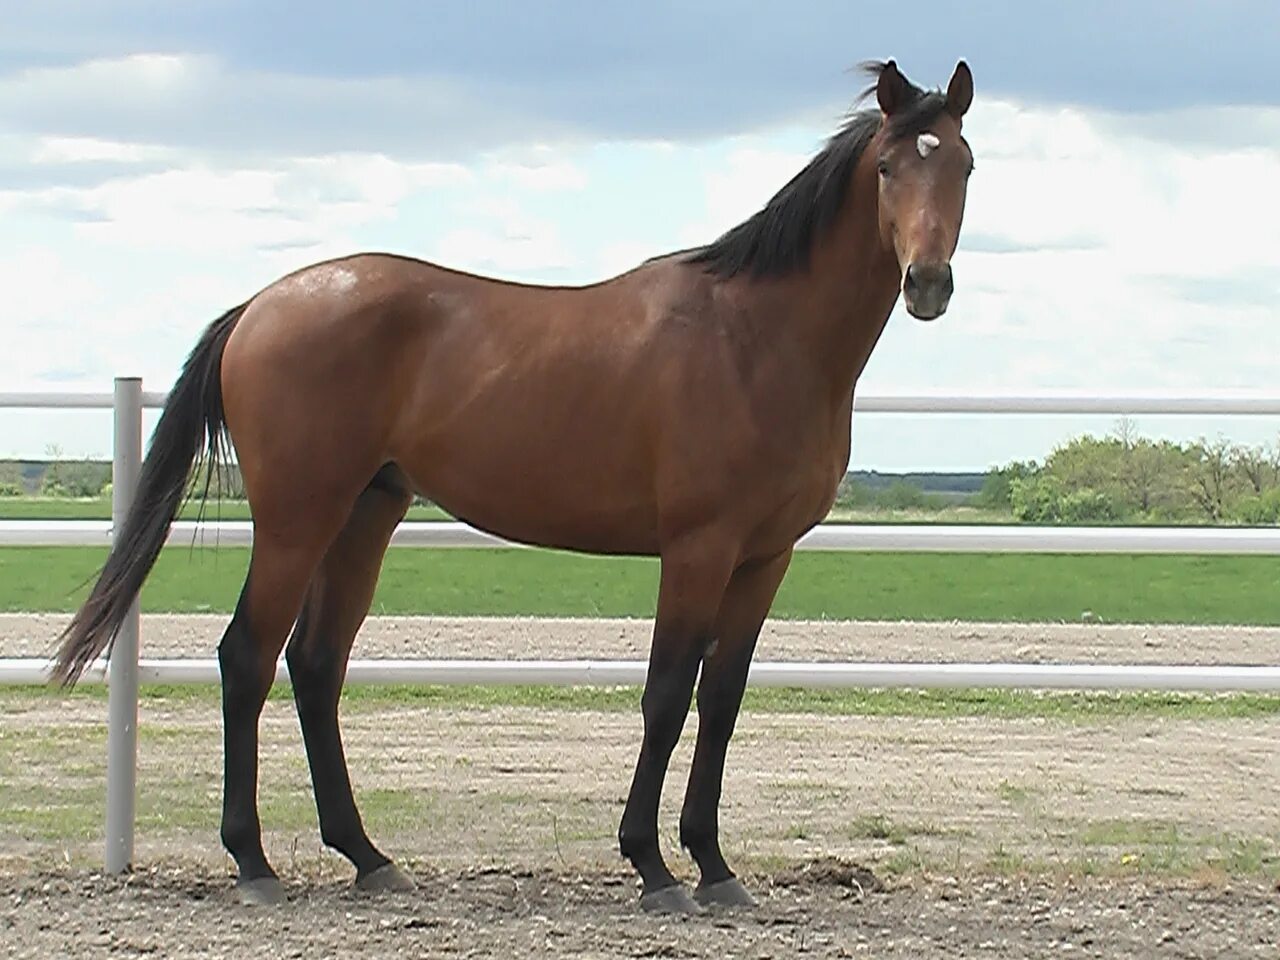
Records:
x=694, y=575
x=724, y=678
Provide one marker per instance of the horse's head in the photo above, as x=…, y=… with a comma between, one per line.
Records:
x=923, y=166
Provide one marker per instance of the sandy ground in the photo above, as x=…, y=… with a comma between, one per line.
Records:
x=862, y=836
x=197, y=635
x=505, y=913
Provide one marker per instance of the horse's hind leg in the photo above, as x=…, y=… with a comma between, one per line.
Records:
x=278, y=575
x=337, y=602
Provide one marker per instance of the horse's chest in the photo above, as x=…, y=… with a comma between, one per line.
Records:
x=803, y=497
x=815, y=492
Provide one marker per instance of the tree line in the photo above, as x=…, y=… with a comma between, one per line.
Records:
x=1125, y=478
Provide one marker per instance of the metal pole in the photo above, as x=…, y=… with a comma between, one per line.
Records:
x=122, y=698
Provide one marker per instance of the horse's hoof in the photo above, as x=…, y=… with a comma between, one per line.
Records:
x=672, y=899
x=388, y=878
x=263, y=892
x=724, y=893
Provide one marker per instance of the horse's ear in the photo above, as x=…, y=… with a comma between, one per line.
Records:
x=960, y=90
x=891, y=88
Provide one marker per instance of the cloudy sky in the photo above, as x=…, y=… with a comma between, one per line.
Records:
x=160, y=161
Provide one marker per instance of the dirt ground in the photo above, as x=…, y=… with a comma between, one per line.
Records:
x=177, y=912
x=1131, y=836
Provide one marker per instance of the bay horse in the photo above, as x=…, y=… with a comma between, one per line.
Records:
x=696, y=408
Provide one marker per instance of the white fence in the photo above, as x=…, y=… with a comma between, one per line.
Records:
x=125, y=670
x=864, y=538
x=794, y=674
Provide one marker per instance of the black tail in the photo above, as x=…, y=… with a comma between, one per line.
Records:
x=192, y=422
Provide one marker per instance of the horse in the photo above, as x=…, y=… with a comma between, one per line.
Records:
x=696, y=408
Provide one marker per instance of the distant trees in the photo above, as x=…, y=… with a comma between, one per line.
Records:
x=82, y=478
x=896, y=495
x=225, y=482
x=11, y=480
x=997, y=486
x=73, y=478
x=1124, y=478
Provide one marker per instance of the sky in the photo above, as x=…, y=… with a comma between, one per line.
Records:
x=162, y=161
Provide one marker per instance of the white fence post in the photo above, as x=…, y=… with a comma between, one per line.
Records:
x=122, y=698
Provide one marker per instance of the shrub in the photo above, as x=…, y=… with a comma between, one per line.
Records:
x=1044, y=499
x=1260, y=510
x=997, y=485
x=901, y=495
x=75, y=478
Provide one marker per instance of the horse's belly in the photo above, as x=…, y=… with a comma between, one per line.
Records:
x=543, y=494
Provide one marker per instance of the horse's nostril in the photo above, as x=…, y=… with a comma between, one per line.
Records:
x=912, y=282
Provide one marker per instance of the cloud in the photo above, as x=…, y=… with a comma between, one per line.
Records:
x=541, y=175
x=77, y=150
x=750, y=175
x=501, y=238
x=193, y=102
x=978, y=242
x=299, y=204
x=1255, y=286
x=220, y=76
x=518, y=250
x=616, y=258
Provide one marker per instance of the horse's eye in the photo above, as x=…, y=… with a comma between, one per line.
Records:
x=884, y=168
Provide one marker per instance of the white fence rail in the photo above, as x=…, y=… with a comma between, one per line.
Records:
x=1228, y=403
x=125, y=670
x=938, y=538
x=796, y=674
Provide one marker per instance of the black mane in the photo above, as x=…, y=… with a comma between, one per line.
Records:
x=778, y=238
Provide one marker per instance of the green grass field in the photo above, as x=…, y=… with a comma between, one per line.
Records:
x=990, y=587
x=1066, y=706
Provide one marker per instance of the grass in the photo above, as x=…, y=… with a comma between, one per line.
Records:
x=1013, y=794
x=1117, y=588
x=880, y=827
x=1002, y=704
x=962, y=514
x=1163, y=846
x=70, y=807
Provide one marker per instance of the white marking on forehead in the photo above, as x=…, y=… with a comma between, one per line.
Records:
x=926, y=143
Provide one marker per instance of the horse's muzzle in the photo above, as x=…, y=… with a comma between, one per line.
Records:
x=927, y=289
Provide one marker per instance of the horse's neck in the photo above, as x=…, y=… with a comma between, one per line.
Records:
x=839, y=306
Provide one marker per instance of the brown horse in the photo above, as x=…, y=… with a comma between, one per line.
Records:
x=696, y=408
